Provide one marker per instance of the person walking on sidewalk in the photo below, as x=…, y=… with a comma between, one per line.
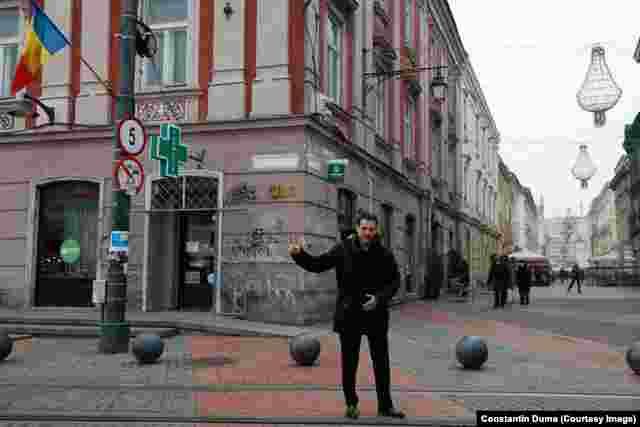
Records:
x=499, y=277
x=577, y=275
x=368, y=277
x=524, y=283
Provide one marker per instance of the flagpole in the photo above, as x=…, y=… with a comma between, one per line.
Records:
x=105, y=84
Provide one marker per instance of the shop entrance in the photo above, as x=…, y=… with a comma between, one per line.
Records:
x=67, y=243
x=197, y=261
x=185, y=232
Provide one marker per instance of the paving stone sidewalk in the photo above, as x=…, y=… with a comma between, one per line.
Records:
x=254, y=376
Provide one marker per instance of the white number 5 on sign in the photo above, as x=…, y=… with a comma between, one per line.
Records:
x=132, y=136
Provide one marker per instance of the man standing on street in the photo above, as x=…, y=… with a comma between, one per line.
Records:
x=368, y=277
x=524, y=283
x=499, y=277
x=577, y=276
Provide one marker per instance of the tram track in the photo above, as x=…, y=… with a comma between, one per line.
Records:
x=223, y=388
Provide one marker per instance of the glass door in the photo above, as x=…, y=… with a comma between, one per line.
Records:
x=198, y=260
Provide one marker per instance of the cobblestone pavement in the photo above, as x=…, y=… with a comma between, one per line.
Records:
x=529, y=367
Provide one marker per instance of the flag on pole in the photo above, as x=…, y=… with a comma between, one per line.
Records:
x=42, y=39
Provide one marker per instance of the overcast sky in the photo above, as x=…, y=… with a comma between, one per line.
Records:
x=531, y=59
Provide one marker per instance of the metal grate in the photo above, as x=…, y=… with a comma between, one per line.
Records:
x=201, y=192
x=167, y=193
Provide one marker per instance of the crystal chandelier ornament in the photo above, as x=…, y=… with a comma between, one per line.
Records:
x=599, y=92
x=584, y=169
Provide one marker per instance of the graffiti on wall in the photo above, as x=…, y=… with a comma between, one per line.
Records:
x=242, y=193
x=240, y=284
x=255, y=245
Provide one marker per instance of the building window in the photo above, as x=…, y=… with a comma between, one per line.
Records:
x=409, y=114
x=407, y=23
x=346, y=212
x=334, y=58
x=380, y=109
x=169, y=20
x=9, y=42
x=386, y=225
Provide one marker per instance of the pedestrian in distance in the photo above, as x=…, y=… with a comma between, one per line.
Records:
x=368, y=277
x=577, y=275
x=524, y=283
x=499, y=277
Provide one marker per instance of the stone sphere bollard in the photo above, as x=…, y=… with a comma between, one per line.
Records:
x=6, y=345
x=304, y=349
x=633, y=357
x=147, y=348
x=472, y=352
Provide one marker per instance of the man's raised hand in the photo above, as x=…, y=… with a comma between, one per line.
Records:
x=296, y=245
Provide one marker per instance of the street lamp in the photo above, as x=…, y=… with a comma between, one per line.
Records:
x=584, y=169
x=599, y=92
x=438, y=83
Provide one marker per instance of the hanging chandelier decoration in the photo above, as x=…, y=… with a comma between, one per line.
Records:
x=599, y=92
x=584, y=169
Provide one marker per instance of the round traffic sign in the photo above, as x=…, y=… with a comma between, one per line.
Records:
x=129, y=173
x=132, y=136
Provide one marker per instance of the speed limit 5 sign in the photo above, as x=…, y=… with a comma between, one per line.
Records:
x=132, y=136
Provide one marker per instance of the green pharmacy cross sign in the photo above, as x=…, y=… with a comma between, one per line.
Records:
x=632, y=138
x=168, y=149
x=335, y=170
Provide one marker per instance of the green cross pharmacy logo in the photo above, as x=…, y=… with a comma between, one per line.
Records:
x=168, y=149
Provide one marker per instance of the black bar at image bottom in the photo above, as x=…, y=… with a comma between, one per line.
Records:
x=549, y=418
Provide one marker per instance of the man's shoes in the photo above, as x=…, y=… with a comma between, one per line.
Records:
x=352, y=412
x=393, y=413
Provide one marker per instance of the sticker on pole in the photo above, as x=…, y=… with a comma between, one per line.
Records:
x=129, y=175
x=119, y=242
x=131, y=136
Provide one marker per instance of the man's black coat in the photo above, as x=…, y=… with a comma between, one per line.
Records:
x=358, y=272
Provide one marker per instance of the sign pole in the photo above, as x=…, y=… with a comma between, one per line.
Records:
x=114, y=330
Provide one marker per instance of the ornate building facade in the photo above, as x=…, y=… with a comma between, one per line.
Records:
x=266, y=93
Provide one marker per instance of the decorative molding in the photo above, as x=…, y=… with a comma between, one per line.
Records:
x=161, y=110
x=7, y=122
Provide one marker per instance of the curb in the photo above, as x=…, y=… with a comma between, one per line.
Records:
x=165, y=419
x=37, y=326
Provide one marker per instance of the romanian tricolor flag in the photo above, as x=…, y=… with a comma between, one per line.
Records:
x=42, y=39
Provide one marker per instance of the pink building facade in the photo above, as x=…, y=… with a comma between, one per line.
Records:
x=271, y=90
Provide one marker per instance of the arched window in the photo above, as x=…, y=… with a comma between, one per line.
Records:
x=67, y=243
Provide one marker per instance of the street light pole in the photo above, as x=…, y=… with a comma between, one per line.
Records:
x=114, y=336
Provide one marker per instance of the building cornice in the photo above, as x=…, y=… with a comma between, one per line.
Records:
x=107, y=132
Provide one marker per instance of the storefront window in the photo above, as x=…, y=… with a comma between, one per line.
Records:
x=67, y=241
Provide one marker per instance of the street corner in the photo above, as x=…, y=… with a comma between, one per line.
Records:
x=267, y=361
x=319, y=404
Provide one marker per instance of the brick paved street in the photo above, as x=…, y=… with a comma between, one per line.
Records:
x=528, y=368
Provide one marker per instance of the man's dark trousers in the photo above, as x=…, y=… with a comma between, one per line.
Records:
x=500, y=293
x=350, y=352
x=574, y=281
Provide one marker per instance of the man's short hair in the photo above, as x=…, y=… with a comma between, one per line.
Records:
x=366, y=216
